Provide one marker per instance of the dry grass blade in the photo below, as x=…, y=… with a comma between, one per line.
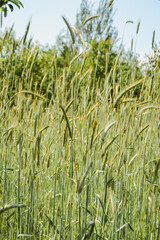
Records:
x=125, y=91
x=8, y=207
x=26, y=33
x=51, y=222
x=110, y=3
x=66, y=109
x=105, y=132
x=121, y=227
x=89, y=232
x=24, y=235
x=153, y=39
x=43, y=129
x=31, y=93
x=130, y=227
x=70, y=29
x=138, y=27
x=98, y=135
x=142, y=130
x=75, y=58
x=85, y=74
x=108, y=145
x=105, y=160
x=81, y=185
x=88, y=19
x=149, y=107
x=79, y=34
x=129, y=164
x=132, y=45
x=10, y=216
x=94, y=106
x=142, y=103
x=34, y=49
x=101, y=203
x=129, y=100
x=129, y=21
x=43, y=80
x=94, y=128
x=67, y=121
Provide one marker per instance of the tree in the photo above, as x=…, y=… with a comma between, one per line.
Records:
x=99, y=34
x=8, y=4
x=90, y=25
x=152, y=65
x=98, y=27
x=102, y=58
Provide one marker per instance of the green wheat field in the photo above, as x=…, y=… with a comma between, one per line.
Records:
x=79, y=157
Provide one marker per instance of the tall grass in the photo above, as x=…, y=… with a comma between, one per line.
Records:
x=81, y=166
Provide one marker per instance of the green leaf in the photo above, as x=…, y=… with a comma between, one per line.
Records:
x=129, y=21
x=110, y=3
x=70, y=29
x=89, y=18
x=17, y=3
x=5, y=11
x=11, y=7
x=67, y=122
x=138, y=27
x=20, y=4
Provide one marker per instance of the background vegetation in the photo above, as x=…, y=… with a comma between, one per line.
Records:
x=79, y=135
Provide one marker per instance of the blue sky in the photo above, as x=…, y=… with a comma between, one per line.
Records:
x=46, y=21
